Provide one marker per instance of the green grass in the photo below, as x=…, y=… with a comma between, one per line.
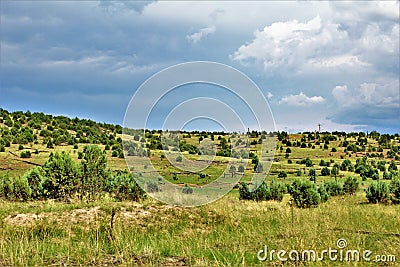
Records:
x=228, y=232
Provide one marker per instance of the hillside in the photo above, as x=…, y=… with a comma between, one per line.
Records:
x=68, y=197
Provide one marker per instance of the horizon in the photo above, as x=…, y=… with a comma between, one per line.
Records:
x=201, y=130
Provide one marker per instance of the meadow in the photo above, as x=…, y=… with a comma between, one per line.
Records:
x=228, y=232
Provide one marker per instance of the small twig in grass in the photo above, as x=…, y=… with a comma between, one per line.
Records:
x=112, y=219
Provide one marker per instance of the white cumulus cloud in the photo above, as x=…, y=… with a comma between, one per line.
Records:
x=320, y=45
x=197, y=36
x=301, y=100
x=369, y=94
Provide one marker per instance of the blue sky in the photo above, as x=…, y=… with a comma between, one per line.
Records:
x=334, y=63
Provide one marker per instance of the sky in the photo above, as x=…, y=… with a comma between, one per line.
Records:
x=330, y=63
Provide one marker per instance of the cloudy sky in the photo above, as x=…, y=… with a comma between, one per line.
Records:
x=334, y=63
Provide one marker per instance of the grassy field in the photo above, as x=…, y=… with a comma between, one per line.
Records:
x=227, y=232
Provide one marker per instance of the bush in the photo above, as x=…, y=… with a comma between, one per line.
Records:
x=187, y=190
x=152, y=187
x=50, y=144
x=202, y=175
x=6, y=187
x=241, y=168
x=14, y=188
x=312, y=173
x=308, y=162
x=2, y=148
x=350, y=185
x=277, y=190
x=20, y=147
x=244, y=192
x=261, y=193
x=35, y=179
x=392, y=166
x=179, y=158
x=346, y=165
x=334, y=188
x=387, y=175
x=395, y=190
x=325, y=171
x=305, y=194
x=282, y=174
x=378, y=192
x=94, y=171
x=258, y=168
x=21, y=189
x=323, y=193
x=124, y=187
x=25, y=154
x=60, y=176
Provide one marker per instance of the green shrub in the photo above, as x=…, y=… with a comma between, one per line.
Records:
x=323, y=193
x=334, y=188
x=6, y=186
x=152, y=187
x=392, y=166
x=124, y=187
x=308, y=162
x=350, y=185
x=94, y=171
x=35, y=179
x=14, y=188
x=2, y=148
x=378, y=192
x=312, y=173
x=282, y=174
x=325, y=171
x=305, y=194
x=241, y=168
x=187, y=190
x=258, y=168
x=387, y=175
x=261, y=193
x=179, y=158
x=244, y=192
x=25, y=154
x=202, y=175
x=395, y=190
x=276, y=190
x=21, y=189
x=60, y=176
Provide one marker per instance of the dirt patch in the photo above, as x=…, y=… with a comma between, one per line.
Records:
x=80, y=216
x=174, y=261
x=23, y=219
